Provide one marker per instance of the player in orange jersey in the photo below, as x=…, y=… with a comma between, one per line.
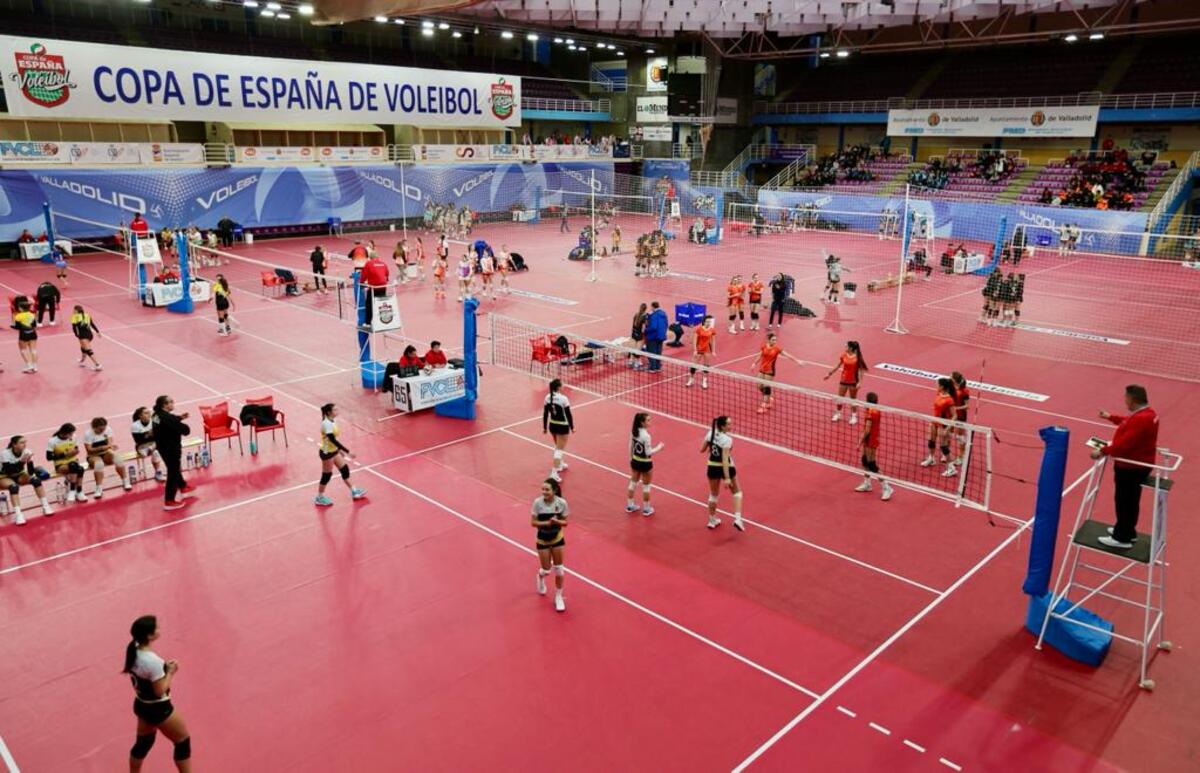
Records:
x=704, y=349
x=853, y=365
x=734, y=301
x=870, y=448
x=939, y=431
x=755, y=290
x=764, y=366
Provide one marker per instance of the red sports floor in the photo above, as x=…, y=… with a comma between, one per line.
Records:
x=403, y=632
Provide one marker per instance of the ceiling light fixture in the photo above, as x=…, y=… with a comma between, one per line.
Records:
x=649, y=50
x=283, y=15
x=558, y=40
x=456, y=34
x=427, y=32
x=1071, y=38
x=1096, y=36
x=532, y=37
x=842, y=53
x=305, y=9
x=825, y=54
x=274, y=7
x=381, y=19
x=266, y=12
x=443, y=25
x=506, y=35
x=398, y=21
x=250, y=3
x=427, y=24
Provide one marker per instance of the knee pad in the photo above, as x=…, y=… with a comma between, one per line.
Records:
x=88, y=352
x=98, y=465
x=326, y=477
x=14, y=489
x=866, y=463
x=183, y=750
x=75, y=468
x=141, y=746
x=345, y=470
x=932, y=445
x=754, y=315
x=873, y=466
x=946, y=450
x=766, y=391
x=559, y=570
x=558, y=455
x=41, y=474
x=646, y=490
x=741, y=314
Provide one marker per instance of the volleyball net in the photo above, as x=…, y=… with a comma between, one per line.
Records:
x=798, y=421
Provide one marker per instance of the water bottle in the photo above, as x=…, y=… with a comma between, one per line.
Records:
x=60, y=492
x=253, y=447
x=131, y=472
x=205, y=459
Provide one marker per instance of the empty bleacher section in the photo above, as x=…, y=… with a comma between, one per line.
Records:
x=1169, y=67
x=1032, y=71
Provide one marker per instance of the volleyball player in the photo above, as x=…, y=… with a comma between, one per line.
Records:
x=333, y=454
x=641, y=464
x=833, y=270
x=17, y=469
x=704, y=349
x=962, y=406
x=503, y=266
x=764, y=365
x=223, y=300
x=734, y=301
x=549, y=517
x=61, y=264
x=152, y=677
x=1018, y=297
x=870, y=446
x=101, y=450
x=853, y=365
x=25, y=323
x=487, y=267
x=84, y=327
x=63, y=452
x=400, y=258
x=420, y=255
x=466, y=272
x=558, y=421
x=48, y=299
x=755, y=291
x=718, y=445
x=939, y=432
x=142, y=430
x=319, y=263
x=991, y=289
x=616, y=239
x=439, y=277
x=443, y=247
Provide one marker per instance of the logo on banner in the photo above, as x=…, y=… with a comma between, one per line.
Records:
x=44, y=78
x=934, y=119
x=705, y=203
x=1038, y=118
x=28, y=150
x=502, y=99
x=466, y=151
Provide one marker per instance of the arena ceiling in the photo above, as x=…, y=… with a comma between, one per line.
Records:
x=764, y=29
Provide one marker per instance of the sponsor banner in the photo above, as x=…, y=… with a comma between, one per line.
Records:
x=656, y=74
x=35, y=153
x=259, y=195
x=99, y=153
x=1076, y=334
x=426, y=391
x=172, y=153
x=996, y=122
x=976, y=385
x=511, y=152
x=678, y=169
x=251, y=154
x=339, y=154
x=727, y=110
x=385, y=314
x=61, y=79
x=452, y=154
x=147, y=251
x=651, y=110
x=656, y=133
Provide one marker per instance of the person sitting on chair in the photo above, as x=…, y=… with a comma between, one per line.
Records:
x=435, y=357
x=288, y=280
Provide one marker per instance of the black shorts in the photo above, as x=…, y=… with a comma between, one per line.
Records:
x=222, y=303
x=852, y=385
x=327, y=455
x=640, y=466
x=715, y=472
x=559, y=429
x=153, y=713
x=27, y=335
x=560, y=542
x=87, y=337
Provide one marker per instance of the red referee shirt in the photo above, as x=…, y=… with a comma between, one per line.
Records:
x=1136, y=437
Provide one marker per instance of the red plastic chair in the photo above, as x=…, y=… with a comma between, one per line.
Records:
x=219, y=425
x=270, y=279
x=279, y=423
x=543, y=353
x=571, y=350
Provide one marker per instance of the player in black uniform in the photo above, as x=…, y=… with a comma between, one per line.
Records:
x=558, y=421
x=549, y=517
x=152, y=677
x=84, y=328
x=990, y=290
x=1018, y=297
x=718, y=444
x=641, y=464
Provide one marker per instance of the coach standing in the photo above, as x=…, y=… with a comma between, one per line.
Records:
x=656, y=334
x=169, y=430
x=1136, y=440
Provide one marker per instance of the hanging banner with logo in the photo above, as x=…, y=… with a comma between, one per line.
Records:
x=340, y=154
x=661, y=133
x=996, y=122
x=172, y=153
x=651, y=110
x=97, y=153
x=35, y=153
x=147, y=251
x=656, y=74
x=385, y=314
x=727, y=110
x=287, y=155
x=61, y=79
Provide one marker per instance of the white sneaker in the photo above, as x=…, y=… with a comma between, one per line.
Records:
x=1110, y=531
x=647, y=510
x=97, y=367
x=564, y=466
x=733, y=329
x=560, y=605
x=713, y=521
x=82, y=364
x=1112, y=543
x=837, y=416
x=98, y=494
x=80, y=496
x=125, y=484
x=689, y=382
x=541, y=584
x=71, y=495
x=704, y=383
x=927, y=461
x=887, y=492
x=46, y=508
x=18, y=517
x=950, y=471
x=853, y=419
x=737, y=523
x=554, y=476
x=630, y=507
x=864, y=486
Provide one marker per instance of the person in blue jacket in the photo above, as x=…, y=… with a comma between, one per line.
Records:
x=482, y=248
x=656, y=334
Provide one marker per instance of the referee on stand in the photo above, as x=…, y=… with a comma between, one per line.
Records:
x=1136, y=440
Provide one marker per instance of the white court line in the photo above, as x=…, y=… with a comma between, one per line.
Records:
x=7, y=758
x=880, y=728
x=603, y=589
x=847, y=712
x=764, y=527
x=916, y=746
x=862, y=664
x=949, y=764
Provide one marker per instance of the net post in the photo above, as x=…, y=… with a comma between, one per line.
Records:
x=49, y=256
x=896, y=326
x=184, y=305
x=968, y=446
x=464, y=407
x=595, y=236
x=403, y=203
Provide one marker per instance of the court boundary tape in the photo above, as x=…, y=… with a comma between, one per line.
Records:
x=764, y=527
x=7, y=758
x=603, y=588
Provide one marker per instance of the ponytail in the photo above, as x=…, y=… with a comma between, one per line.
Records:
x=140, y=632
x=555, y=385
x=862, y=361
x=639, y=421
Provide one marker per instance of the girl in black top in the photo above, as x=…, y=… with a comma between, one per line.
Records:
x=778, y=296
x=84, y=329
x=152, y=677
x=169, y=430
x=557, y=420
x=637, y=332
x=48, y=298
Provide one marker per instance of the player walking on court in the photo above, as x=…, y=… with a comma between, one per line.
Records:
x=755, y=290
x=704, y=349
x=853, y=365
x=487, y=267
x=549, y=517
x=962, y=406
x=503, y=267
x=939, y=432
x=558, y=421
x=333, y=454
x=223, y=300
x=439, y=277
x=870, y=448
x=734, y=301
x=718, y=445
x=641, y=464
x=84, y=328
x=768, y=355
x=466, y=272
x=152, y=677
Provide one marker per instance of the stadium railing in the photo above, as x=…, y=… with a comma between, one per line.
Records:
x=1124, y=101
